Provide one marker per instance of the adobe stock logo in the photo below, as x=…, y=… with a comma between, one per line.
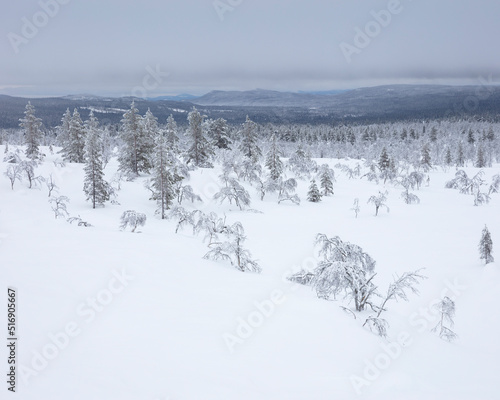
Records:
x=40, y=19
x=363, y=37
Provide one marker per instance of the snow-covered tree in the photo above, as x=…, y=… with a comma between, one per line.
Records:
x=486, y=246
x=273, y=161
x=345, y=268
x=31, y=125
x=233, y=251
x=425, y=160
x=495, y=184
x=164, y=177
x=326, y=178
x=286, y=191
x=133, y=219
x=249, y=143
x=95, y=187
x=171, y=134
x=355, y=207
x=218, y=131
x=313, y=195
x=200, y=151
x=446, y=309
x=73, y=150
x=480, y=158
x=233, y=191
x=396, y=291
x=132, y=156
x=379, y=201
x=301, y=164
x=384, y=165
x=150, y=131
x=59, y=206
x=27, y=167
x=14, y=174
x=63, y=130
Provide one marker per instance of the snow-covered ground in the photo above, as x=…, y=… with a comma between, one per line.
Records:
x=144, y=316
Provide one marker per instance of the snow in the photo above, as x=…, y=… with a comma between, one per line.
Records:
x=162, y=334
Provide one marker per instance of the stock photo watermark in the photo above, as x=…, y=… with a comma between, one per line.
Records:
x=61, y=339
x=151, y=81
x=12, y=337
x=30, y=27
x=363, y=37
x=222, y=7
x=391, y=351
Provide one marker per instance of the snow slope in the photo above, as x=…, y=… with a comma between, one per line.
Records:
x=161, y=328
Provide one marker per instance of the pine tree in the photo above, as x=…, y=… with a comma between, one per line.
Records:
x=313, y=194
x=63, y=130
x=171, y=135
x=32, y=133
x=164, y=177
x=460, y=161
x=200, y=151
x=425, y=161
x=327, y=177
x=447, y=158
x=433, y=134
x=480, y=160
x=74, y=150
x=149, y=133
x=384, y=165
x=470, y=137
x=273, y=161
x=486, y=246
x=218, y=132
x=131, y=158
x=248, y=145
x=95, y=187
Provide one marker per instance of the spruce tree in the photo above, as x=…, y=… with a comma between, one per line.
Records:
x=248, y=145
x=384, y=165
x=95, y=187
x=199, y=151
x=171, y=135
x=164, y=177
x=219, y=133
x=447, y=158
x=74, y=151
x=131, y=159
x=147, y=144
x=480, y=159
x=32, y=134
x=313, y=194
x=460, y=160
x=486, y=246
x=273, y=161
x=63, y=131
x=425, y=161
x=327, y=177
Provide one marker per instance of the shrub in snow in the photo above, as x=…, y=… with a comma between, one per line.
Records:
x=79, y=221
x=51, y=185
x=446, y=309
x=233, y=191
x=495, y=184
x=379, y=201
x=486, y=246
x=232, y=250
x=355, y=207
x=13, y=173
x=132, y=219
x=59, y=206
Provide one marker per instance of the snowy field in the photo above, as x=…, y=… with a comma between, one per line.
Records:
x=110, y=314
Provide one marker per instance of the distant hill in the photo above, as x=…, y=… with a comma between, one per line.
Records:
x=374, y=104
x=179, y=97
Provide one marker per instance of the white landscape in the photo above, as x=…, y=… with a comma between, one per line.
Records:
x=106, y=313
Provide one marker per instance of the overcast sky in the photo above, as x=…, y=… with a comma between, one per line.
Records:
x=110, y=47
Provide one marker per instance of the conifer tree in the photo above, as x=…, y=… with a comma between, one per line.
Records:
x=480, y=159
x=248, y=145
x=384, y=165
x=132, y=158
x=313, y=194
x=32, y=134
x=273, y=161
x=200, y=151
x=171, y=135
x=460, y=161
x=327, y=177
x=219, y=133
x=95, y=187
x=149, y=133
x=486, y=246
x=425, y=161
x=74, y=152
x=164, y=176
x=63, y=130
